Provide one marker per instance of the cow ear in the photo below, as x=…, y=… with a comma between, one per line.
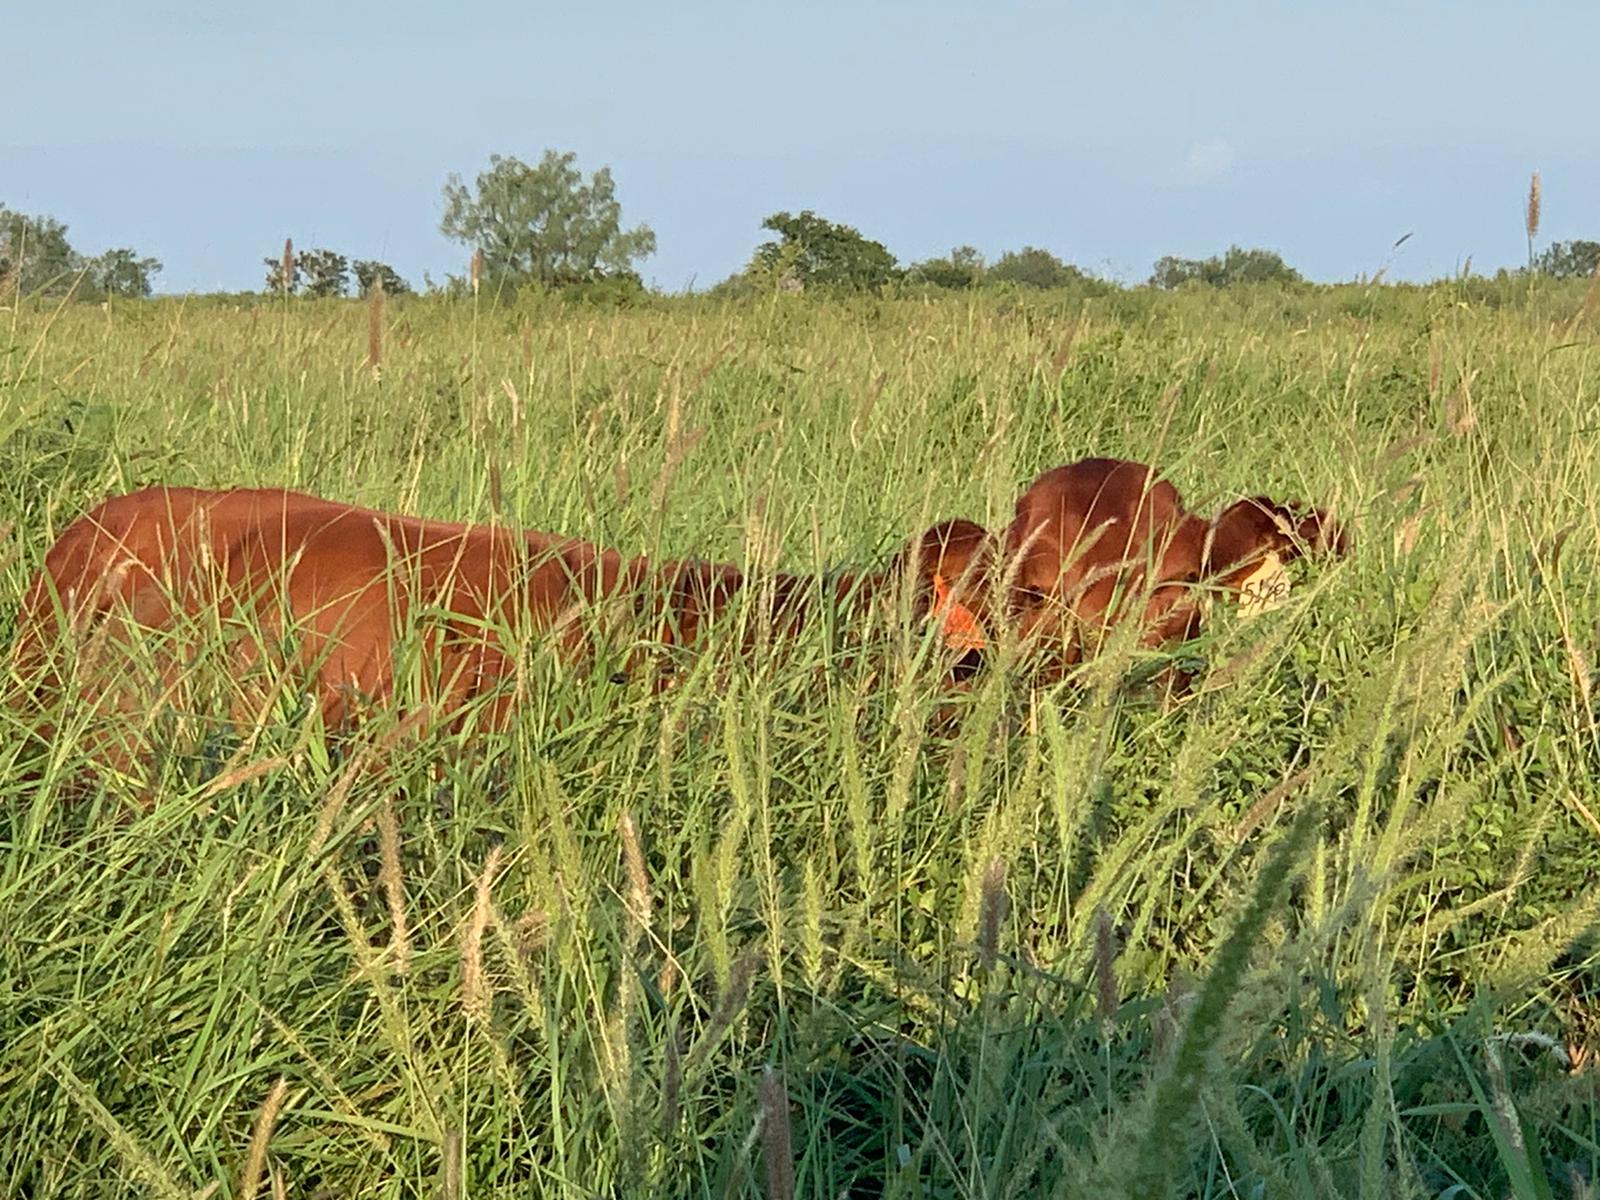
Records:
x=695, y=583
x=959, y=627
x=1242, y=533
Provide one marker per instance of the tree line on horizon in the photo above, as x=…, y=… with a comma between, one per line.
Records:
x=37, y=259
x=546, y=225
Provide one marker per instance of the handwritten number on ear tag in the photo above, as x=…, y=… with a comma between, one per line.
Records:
x=1265, y=588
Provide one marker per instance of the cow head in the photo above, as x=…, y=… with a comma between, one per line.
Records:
x=1250, y=535
x=950, y=567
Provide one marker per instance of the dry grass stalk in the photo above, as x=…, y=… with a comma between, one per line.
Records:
x=497, y=495
x=235, y=776
x=475, y=270
x=260, y=1135
x=1107, y=996
x=620, y=480
x=367, y=963
x=704, y=372
x=474, y=991
x=517, y=436
x=678, y=446
x=993, y=905
x=450, y=1165
x=375, y=328
x=864, y=409
x=531, y=932
x=1405, y=537
x=333, y=803
x=729, y=1004
x=1259, y=810
x=1459, y=415
x=393, y=886
x=325, y=1080
x=777, y=1142
x=638, y=877
x=667, y=978
x=1063, y=354
x=1579, y=668
x=671, y=1077
x=956, y=778
x=286, y=267
x=1535, y=205
x=135, y=1158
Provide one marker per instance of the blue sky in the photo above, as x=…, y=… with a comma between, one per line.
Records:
x=204, y=133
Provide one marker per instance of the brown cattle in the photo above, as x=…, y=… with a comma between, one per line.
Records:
x=1103, y=540
x=298, y=590
x=948, y=569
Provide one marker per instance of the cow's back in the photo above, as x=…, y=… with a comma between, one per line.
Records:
x=341, y=581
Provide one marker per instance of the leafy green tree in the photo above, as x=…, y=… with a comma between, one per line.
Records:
x=1035, y=268
x=813, y=252
x=544, y=224
x=35, y=255
x=37, y=259
x=371, y=273
x=1234, y=267
x=327, y=273
x=962, y=268
x=275, y=272
x=1569, y=260
x=122, y=272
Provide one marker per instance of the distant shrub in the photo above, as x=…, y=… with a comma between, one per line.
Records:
x=1234, y=267
x=370, y=273
x=811, y=251
x=622, y=290
x=1035, y=268
x=962, y=268
x=37, y=259
x=544, y=223
x=1569, y=260
x=326, y=273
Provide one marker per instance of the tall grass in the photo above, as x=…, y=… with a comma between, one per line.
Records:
x=773, y=933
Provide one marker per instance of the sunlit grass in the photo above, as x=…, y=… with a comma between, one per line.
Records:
x=560, y=960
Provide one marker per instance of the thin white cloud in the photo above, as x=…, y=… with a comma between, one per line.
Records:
x=1208, y=161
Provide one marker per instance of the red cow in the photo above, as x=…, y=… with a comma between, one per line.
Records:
x=1104, y=540
x=294, y=587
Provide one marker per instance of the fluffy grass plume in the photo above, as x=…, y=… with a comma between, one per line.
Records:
x=375, y=327
x=1532, y=213
x=260, y=1135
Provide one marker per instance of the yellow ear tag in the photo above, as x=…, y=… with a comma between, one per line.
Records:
x=961, y=631
x=1265, y=588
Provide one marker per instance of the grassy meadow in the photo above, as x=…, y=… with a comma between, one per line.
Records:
x=1322, y=929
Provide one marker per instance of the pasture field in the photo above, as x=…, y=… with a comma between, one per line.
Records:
x=1322, y=929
